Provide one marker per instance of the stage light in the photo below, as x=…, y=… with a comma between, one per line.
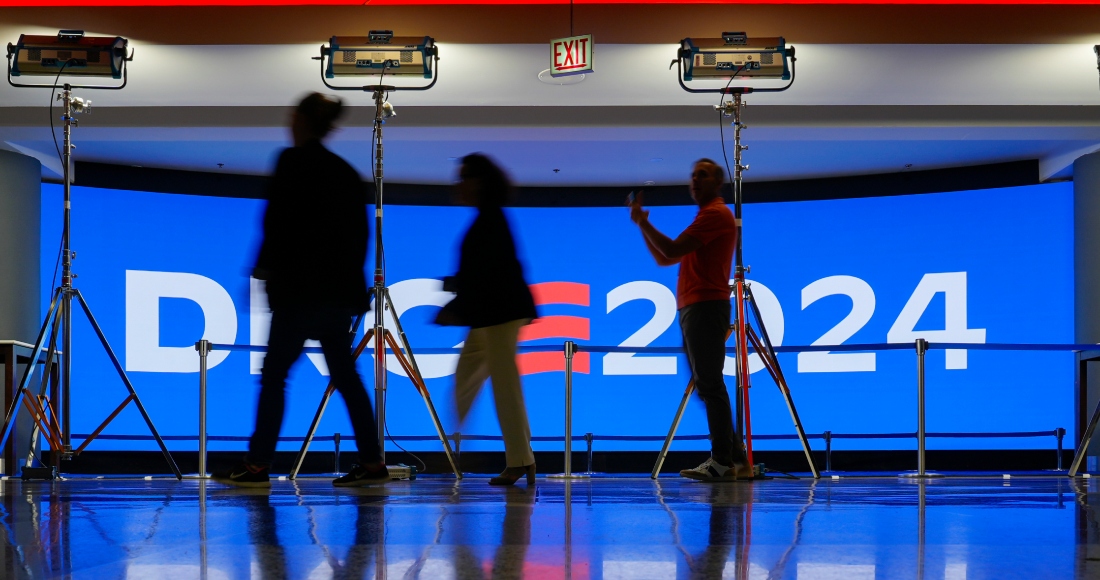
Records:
x=380, y=53
x=71, y=50
x=735, y=55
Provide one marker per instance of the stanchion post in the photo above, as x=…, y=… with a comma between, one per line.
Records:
x=204, y=347
x=588, y=440
x=570, y=350
x=1060, y=433
x=828, y=451
x=922, y=348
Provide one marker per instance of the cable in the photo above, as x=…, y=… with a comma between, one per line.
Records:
x=423, y=466
x=374, y=175
x=53, y=131
x=378, y=301
x=53, y=279
x=722, y=129
x=788, y=476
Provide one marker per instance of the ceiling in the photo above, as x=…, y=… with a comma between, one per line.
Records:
x=855, y=107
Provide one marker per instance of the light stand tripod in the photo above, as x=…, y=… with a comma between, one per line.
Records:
x=379, y=334
x=57, y=428
x=744, y=302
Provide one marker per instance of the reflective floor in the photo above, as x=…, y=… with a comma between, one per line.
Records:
x=852, y=528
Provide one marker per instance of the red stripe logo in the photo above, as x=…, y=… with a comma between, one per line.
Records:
x=556, y=326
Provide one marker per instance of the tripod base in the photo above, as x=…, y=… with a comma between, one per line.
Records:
x=762, y=345
x=417, y=382
x=56, y=433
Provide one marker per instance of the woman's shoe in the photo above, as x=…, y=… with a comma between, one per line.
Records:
x=510, y=475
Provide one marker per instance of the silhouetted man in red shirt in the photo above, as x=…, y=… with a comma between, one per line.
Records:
x=704, y=252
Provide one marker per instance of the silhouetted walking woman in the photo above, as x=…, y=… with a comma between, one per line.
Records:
x=493, y=299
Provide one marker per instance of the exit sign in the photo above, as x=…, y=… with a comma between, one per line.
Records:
x=571, y=56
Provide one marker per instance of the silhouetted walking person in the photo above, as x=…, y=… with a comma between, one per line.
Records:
x=312, y=258
x=494, y=301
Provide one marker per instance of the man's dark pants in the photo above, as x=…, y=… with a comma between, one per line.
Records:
x=704, y=326
x=290, y=328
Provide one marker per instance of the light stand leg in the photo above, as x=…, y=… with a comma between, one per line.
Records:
x=777, y=375
x=408, y=361
x=329, y=390
x=301, y=457
x=672, y=430
x=1083, y=447
x=53, y=432
x=743, y=368
x=409, y=365
x=24, y=381
x=129, y=387
x=738, y=397
x=676, y=421
x=66, y=368
x=763, y=345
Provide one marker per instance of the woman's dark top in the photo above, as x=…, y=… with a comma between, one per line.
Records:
x=315, y=232
x=489, y=285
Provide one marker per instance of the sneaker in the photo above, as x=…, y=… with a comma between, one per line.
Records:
x=711, y=470
x=361, y=475
x=244, y=475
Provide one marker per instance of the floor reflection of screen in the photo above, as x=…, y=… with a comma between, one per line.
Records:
x=161, y=271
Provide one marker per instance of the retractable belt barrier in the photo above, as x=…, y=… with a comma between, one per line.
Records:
x=570, y=348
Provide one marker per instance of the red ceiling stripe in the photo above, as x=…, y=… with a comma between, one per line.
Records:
x=87, y=3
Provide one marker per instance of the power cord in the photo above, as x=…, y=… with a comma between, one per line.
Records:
x=53, y=131
x=423, y=466
x=788, y=476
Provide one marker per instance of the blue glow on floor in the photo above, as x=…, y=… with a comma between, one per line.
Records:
x=604, y=528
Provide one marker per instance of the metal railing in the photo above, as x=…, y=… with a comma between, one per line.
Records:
x=920, y=347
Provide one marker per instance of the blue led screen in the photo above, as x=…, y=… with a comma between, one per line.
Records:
x=161, y=271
